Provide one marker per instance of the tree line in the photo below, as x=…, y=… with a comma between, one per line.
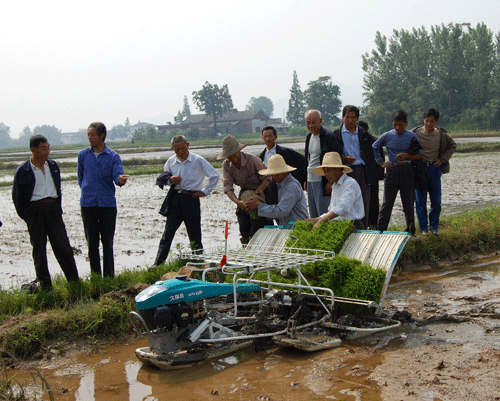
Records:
x=454, y=68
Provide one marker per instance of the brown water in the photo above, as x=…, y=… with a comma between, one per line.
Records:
x=456, y=357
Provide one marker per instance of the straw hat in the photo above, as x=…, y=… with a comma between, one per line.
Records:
x=331, y=159
x=276, y=165
x=230, y=146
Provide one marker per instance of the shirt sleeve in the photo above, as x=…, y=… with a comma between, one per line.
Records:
x=212, y=174
x=282, y=209
x=227, y=177
x=117, y=168
x=377, y=145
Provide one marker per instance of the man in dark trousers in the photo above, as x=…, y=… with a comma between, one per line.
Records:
x=319, y=142
x=292, y=158
x=185, y=172
x=357, y=153
x=99, y=170
x=37, y=197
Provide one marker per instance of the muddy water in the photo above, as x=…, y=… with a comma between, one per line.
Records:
x=472, y=183
x=450, y=350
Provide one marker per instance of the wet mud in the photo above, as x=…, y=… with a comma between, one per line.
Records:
x=448, y=348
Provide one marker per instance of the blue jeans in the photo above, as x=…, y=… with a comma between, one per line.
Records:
x=434, y=189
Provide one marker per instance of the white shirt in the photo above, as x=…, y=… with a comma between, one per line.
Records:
x=346, y=200
x=314, y=158
x=44, y=183
x=268, y=154
x=193, y=171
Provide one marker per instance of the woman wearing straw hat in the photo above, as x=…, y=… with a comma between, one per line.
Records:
x=292, y=205
x=242, y=169
x=346, y=202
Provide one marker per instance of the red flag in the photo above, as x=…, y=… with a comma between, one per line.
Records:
x=227, y=230
x=223, y=261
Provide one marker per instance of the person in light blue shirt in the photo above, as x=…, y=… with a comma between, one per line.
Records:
x=99, y=171
x=292, y=204
x=402, y=147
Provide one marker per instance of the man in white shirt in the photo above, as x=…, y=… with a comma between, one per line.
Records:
x=346, y=202
x=188, y=171
x=37, y=197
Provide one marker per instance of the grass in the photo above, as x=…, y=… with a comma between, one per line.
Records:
x=82, y=311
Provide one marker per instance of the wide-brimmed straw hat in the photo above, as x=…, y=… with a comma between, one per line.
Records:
x=276, y=165
x=331, y=159
x=230, y=146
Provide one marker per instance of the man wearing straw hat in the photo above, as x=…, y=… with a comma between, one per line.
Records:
x=292, y=205
x=242, y=169
x=346, y=202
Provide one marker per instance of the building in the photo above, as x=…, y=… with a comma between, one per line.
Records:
x=233, y=122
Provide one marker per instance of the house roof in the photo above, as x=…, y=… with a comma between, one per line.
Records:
x=232, y=115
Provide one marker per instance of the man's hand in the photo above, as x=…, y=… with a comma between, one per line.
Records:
x=252, y=204
x=175, y=179
x=199, y=194
x=122, y=179
x=438, y=163
x=349, y=159
x=402, y=156
x=387, y=165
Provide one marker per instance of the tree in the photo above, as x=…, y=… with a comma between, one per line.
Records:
x=296, y=104
x=178, y=118
x=24, y=137
x=261, y=103
x=146, y=134
x=451, y=68
x=323, y=95
x=186, y=111
x=5, y=139
x=213, y=101
x=50, y=132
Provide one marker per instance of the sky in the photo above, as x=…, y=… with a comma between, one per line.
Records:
x=68, y=64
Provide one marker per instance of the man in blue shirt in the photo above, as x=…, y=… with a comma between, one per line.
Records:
x=292, y=204
x=357, y=152
x=99, y=170
x=402, y=147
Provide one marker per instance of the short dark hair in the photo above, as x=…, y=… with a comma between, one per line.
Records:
x=348, y=108
x=432, y=113
x=270, y=127
x=399, y=115
x=100, y=129
x=36, y=140
x=364, y=124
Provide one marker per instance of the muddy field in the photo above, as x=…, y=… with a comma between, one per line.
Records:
x=473, y=182
x=448, y=347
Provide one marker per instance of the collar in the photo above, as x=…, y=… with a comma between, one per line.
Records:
x=270, y=150
x=189, y=158
x=345, y=130
x=341, y=179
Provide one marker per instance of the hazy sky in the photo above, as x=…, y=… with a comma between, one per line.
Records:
x=67, y=63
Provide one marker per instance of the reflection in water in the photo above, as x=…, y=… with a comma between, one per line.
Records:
x=137, y=390
x=86, y=390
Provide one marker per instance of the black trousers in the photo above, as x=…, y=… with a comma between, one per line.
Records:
x=99, y=223
x=45, y=220
x=183, y=208
x=359, y=174
x=401, y=178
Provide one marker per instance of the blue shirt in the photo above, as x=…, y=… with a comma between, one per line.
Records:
x=97, y=177
x=351, y=145
x=395, y=143
x=292, y=204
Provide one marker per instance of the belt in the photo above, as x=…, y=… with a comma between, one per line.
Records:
x=401, y=164
x=429, y=164
x=185, y=192
x=46, y=200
